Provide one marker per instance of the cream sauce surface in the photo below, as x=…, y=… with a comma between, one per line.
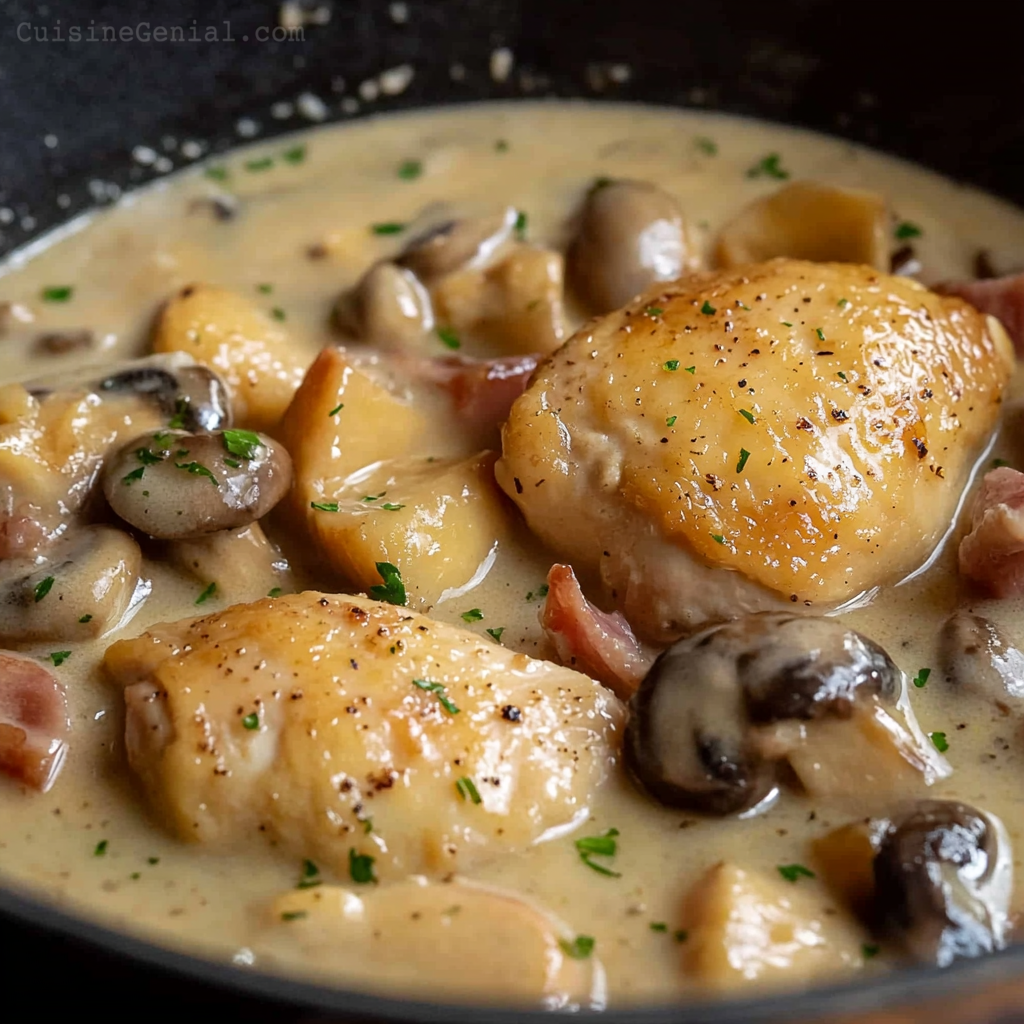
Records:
x=539, y=158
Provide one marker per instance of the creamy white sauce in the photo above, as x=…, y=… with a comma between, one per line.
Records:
x=125, y=261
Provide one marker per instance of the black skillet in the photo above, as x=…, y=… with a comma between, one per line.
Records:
x=938, y=84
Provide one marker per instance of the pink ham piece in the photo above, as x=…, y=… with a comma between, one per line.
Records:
x=34, y=724
x=992, y=554
x=599, y=644
x=1001, y=297
x=482, y=391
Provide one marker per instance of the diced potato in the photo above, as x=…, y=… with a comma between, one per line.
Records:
x=496, y=945
x=339, y=422
x=747, y=929
x=808, y=221
x=846, y=858
x=438, y=521
x=224, y=331
x=515, y=305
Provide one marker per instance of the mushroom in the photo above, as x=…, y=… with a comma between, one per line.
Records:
x=84, y=588
x=977, y=659
x=631, y=234
x=943, y=877
x=456, y=244
x=808, y=221
x=720, y=710
x=34, y=723
x=175, y=485
x=388, y=308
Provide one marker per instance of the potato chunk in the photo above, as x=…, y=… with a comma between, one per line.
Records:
x=496, y=946
x=747, y=929
x=809, y=221
x=225, y=332
x=337, y=726
x=846, y=857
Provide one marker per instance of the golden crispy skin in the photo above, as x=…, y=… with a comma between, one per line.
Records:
x=333, y=724
x=810, y=426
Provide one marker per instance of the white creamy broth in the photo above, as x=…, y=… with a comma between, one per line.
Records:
x=302, y=226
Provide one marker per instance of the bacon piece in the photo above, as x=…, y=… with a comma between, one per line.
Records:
x=1001, y=297
x=483, y=390
x=992, y=554
x=600, y=644
x=34, y=722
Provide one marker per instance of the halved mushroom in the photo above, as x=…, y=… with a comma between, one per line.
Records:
x=721, y=710
x=976, y=658
x=84, y=588
x=34, y=723
x=388, y=308
x=631, y=235
x=175, y=485
x=457, y=244
x=809, y=221
x=943, y=878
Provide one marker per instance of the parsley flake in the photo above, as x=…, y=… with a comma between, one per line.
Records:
x=747, y=415
x=207, y=594
x=520, y=225
x=820, y=333
x=390, y=506
x=42, y=588
x=843, y=303
x=294, y=915
x=671, y=365
x=262, y=163
x=278, y=313
x=671, y=421
x=706, y=145
x=57, y=293
x=599, y=846
x=216, y=172
x=449, y=338
x=86, y=618
x=997, y=463
x=310, y=876
x=786, y=323
x=658, y=926
x=793, y=872
x=251, y=721
x=654, y=310
x=295, y=155
x=393, y=589
x=337, y=409
x=388, y=227
x=324, y=506
x=264, y=289
x=744, y=455
x=841, y=376
x=939, y=741
x=197, y=469
x=906, y=229
x=680, y=935
x=438, y=689
x=707, y=309
x=473, y=615
x=101, y=848
x=466, y=788
x=718, y=538
x=136, y=474
x=360, y=867
x=274, y=592
x=410, y=169
x=870, y=950
x=579, y=949
x=501, y=145
x=690, y=369
x=372, y=497
x=495, y=633
x=59, y=657
x=242, y=443
x=180, y=417
x=768, y=167
x=922, y=677
x=541, y=591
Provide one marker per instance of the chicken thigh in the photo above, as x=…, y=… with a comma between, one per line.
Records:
x=785, y=433
x=344, y=729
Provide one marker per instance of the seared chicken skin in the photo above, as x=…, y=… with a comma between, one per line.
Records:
x=808, y=428
x=341, y=727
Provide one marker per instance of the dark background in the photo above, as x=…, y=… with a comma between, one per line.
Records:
x=942, y=84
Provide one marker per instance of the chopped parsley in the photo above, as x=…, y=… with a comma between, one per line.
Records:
x=520, y=225
x=152, y=860
x=57, y=293
x=438, y=689
x=841, y=376
x=599, y=846
x=820, y=333
x=658, y=926
x=233, y=463
x=310, y=876
x=101, y=848
x=242, y=443
x=449, y=338
x=216, y=172
x=86, y=618
x=264, y=289
x=671, y=365
x=393, y=589
x=473, y=615
x=136, y=474
x=390, y=506
x=939, y=741
x=207, y=594
x=690, y=369
x=360, y=867
x=997, y=463
x=870, y=950
x=680, y=935
x=294, y=915
x=718, y=538
x=295, y=155
x=409, y=169
x=59, y=657
x=466, y=788
x=495, y=633
x=177, y=421
x=42, y=588
x=501, y=145
x=579, y=949
x=906, y=229
x=786, y=323
x=769, y=167
x=388, y=227
x=263, y=163
x=324, y=506
x=922, y=677
x=541, y=591
x=793, y=872
x=706, y=145
x=372, y=497
x=744, y=455
x=197, y=469
x=654, y=311
x=274, y=592
x=843, y=303
x=742, y=305
x=278, y=313
x=251, y=721
x=337, y=409
x=707, y=309
x=147, y=457
x=747, y=415
x=671, y=421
